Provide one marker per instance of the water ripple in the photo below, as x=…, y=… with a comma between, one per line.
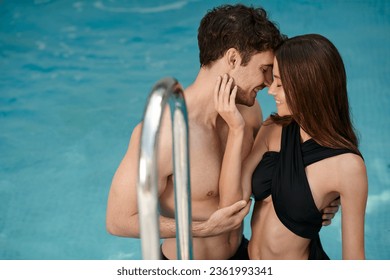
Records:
x=158, y=9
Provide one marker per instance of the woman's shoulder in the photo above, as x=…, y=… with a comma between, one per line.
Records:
x=271, y=133
x=351, y=163
x=271, y=127
x=353, y=173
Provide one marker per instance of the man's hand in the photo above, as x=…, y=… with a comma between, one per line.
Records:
x=330, y=211
x=225, y=219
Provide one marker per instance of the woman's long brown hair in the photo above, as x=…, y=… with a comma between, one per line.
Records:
x=315, y=84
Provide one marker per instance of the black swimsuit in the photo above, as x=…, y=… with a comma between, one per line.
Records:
x=282, y=175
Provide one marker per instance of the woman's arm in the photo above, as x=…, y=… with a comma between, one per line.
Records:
x=230, y=190
x=260, y=146
x=353, y=196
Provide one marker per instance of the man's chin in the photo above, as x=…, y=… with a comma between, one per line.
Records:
x=248, y=103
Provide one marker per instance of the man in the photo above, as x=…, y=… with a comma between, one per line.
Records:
x=234, y=41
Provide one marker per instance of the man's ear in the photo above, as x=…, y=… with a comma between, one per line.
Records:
x=233, y=58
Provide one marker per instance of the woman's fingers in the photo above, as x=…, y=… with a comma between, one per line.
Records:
x=222, y=90
x=216, y=92
x=227, y=92
x=233, y=98
x=225, y=101
x=224, y=96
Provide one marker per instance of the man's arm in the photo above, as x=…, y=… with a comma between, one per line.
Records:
x=223, y=220
x=122, y=210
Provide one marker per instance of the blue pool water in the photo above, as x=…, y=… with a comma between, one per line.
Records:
x=74, y=79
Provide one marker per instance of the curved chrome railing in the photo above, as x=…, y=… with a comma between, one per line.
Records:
x=167, y=90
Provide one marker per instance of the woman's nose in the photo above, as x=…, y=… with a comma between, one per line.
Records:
x=271, y=90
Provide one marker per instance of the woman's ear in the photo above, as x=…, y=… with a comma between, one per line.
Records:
x=233, y=58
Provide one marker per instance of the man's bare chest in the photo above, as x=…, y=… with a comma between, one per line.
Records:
x=207, y=148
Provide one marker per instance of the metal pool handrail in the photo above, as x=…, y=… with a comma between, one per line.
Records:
x=167, y=90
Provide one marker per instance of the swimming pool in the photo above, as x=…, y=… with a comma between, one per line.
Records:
x=74, y=79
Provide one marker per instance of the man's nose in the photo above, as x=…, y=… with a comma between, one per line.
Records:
x=268, y=79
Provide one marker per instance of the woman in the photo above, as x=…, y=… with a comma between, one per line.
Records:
x=304, y=156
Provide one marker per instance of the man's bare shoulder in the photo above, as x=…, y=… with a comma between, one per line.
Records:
x=252, y=115
x=164, y=135
x=166, y=127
